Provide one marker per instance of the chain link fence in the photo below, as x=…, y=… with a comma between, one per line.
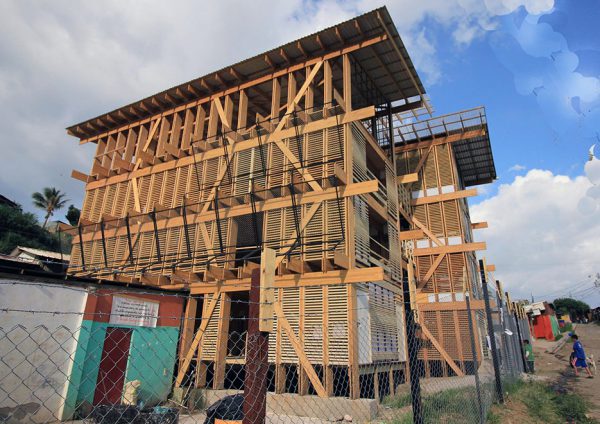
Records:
x=102, y=354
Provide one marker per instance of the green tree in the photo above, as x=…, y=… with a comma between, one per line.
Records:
x=73, y=215
x=18, y=228
x=50, y=199
x=573, y=307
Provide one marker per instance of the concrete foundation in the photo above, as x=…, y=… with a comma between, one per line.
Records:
x=309, y=406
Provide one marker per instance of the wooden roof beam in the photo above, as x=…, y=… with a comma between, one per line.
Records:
x=256, y=81
x=206, y=86
x=194, y=90
x=358, y=28
x=301, y=48
x=319, y=42
x=239, y=77
x=441, y=140
x=269, y=62
x=285, y=57
x=220, y=80
x=158, y=103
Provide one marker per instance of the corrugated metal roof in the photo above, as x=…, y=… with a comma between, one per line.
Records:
x=394, y=74
x=43, y=253
x=473, y=155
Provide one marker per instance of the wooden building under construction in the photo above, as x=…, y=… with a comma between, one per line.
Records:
x=440, y=160
x=305, y=149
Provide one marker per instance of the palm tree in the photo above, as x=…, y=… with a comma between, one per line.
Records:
x=49, y=200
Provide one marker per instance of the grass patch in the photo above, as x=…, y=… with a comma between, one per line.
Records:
x=573, y=408
x=539, y=400
x=453, y=405
x=493, y=418
x=528, y=401
x=544, y=404
x=397, y=401
x=568, y=327
x=513, y=386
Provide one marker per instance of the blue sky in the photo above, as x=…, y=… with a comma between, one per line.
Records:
x=524, y=129
x=534, y=65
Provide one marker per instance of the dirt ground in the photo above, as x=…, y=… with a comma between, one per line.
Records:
x=556, y=368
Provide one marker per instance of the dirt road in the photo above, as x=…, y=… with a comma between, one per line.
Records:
x=556, y=367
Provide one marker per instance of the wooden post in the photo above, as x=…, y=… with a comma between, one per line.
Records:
x=280, y=370
x=327, y=371
x=257, y=360
x=347, y=82
x=376, y=384
x=267, y=291
x=187, y=334
x=353, y=368
x=303, y=382
x=222, y=339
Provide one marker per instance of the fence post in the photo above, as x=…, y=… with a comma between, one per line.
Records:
x=506, y=356
x=514, y=342
x=520, y=342
x=491, y=335
x=474, y=353
x=257, y=359
x=413, y=352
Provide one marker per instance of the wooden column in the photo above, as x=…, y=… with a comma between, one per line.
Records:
x=303, y=382
x=280, y=371
x=187, y=333
x=222, y=338
x=327, y=371
x=459, y=341
x=347, y=70
x=327, y=88
x=376, y=384
x=257, y=360
x=438, y=316
x=353, y=370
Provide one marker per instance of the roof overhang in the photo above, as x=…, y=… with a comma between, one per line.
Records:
x=468, y=133
x=387, y=64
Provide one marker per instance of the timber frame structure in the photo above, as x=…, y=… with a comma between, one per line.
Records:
x=438, y=160
x=299, y=150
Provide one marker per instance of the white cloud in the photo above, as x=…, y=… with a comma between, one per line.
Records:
x=503, y=7
x=63, y=62
x=516, y=168
x=537, y=238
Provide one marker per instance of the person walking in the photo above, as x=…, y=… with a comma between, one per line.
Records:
x=579, y=359
x=529, y=356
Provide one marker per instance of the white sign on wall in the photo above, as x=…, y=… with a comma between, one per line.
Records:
x=133, y=311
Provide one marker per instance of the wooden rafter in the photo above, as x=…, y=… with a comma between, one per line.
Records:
x=280, y=72
x=240, y=146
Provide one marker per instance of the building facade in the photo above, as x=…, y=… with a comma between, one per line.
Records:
x=297, y=149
